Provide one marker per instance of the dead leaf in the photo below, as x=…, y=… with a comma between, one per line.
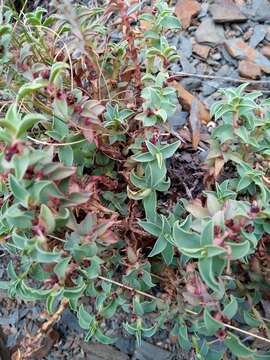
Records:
x=195, y=124
x=186, y=98
x=186, y=10
x=219, y=163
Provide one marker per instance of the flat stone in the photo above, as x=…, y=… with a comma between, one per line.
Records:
x=95, y=351
x=241, y=51
x=185, y=46
x=191, y=83
x=249, y=70
x=226, y=11
x=201, y=50
x=186, y=10
x=261, y=10
x=125, y=345
x=209, y=33
x=178, y=119
x=259, y=34
x=149, y=352
x=187, y=65
x=266, y=51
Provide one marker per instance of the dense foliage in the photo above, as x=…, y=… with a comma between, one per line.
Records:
x=84, y=213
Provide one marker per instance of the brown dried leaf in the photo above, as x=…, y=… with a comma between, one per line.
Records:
x=186, y=98
x=219, y=163
x=195, y=123
x=186, y=10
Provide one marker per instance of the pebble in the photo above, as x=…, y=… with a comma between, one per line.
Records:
x=149, y=352
x=249, y=70
x=259, y=34
x=201, y=50
x=258, y=10
x=185, y=46
x=209, y=33
x=266, y=51
x=241, y=51
x=186, y=10
x=187, y=65
x=216, y=56
x=247, y=35
x=226, y=11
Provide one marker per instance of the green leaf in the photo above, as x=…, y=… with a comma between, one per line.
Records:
x=239, y=250
x=207, y=235
x=185, y=239
x=56, y=69
x=104, y=339
x=28, y=122
x=143, y=157
x=211, y=324
x=30, y=88
x=230, y=310
x=150, y=204
x=162, y=114
x=20, y=242
x=167, y=151
x=18, y=191
x=20, y=164
x=236, y=347
x=46, y=218
x=10, y=128
x=150, y=227
x=109, y=311
x=206, y=271
x=66, y=155
x=61, y=267
x=73, y=292
x=137, y=306
x=129, y=328
x=45, y=257
x=138, y=195
x=183, y=339
x=11, y=271
x=151, y=148
x=149, y=332
x=159, y=246
x=168, y=253
x=85, y=319
x=250, y=319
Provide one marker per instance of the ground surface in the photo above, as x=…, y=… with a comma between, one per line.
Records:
x=217, y=40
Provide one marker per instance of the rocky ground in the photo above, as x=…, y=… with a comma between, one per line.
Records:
x=221, y=44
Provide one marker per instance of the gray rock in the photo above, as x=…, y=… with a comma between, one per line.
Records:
x=259, y=10
x=241, y=51
x=191, y=83
x=125, y=345
x=70, y=320
x=203, y=11
x=96, y=351
x=209, y=33
x=187, y=65
x=150, y=352
x=216, y=56
x=185, y=46
x=259, y=34
x=178, y=119
x=226, y=11
x=211, y=86
x=229, y=59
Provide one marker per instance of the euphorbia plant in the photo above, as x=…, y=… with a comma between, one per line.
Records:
x=84, y=185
